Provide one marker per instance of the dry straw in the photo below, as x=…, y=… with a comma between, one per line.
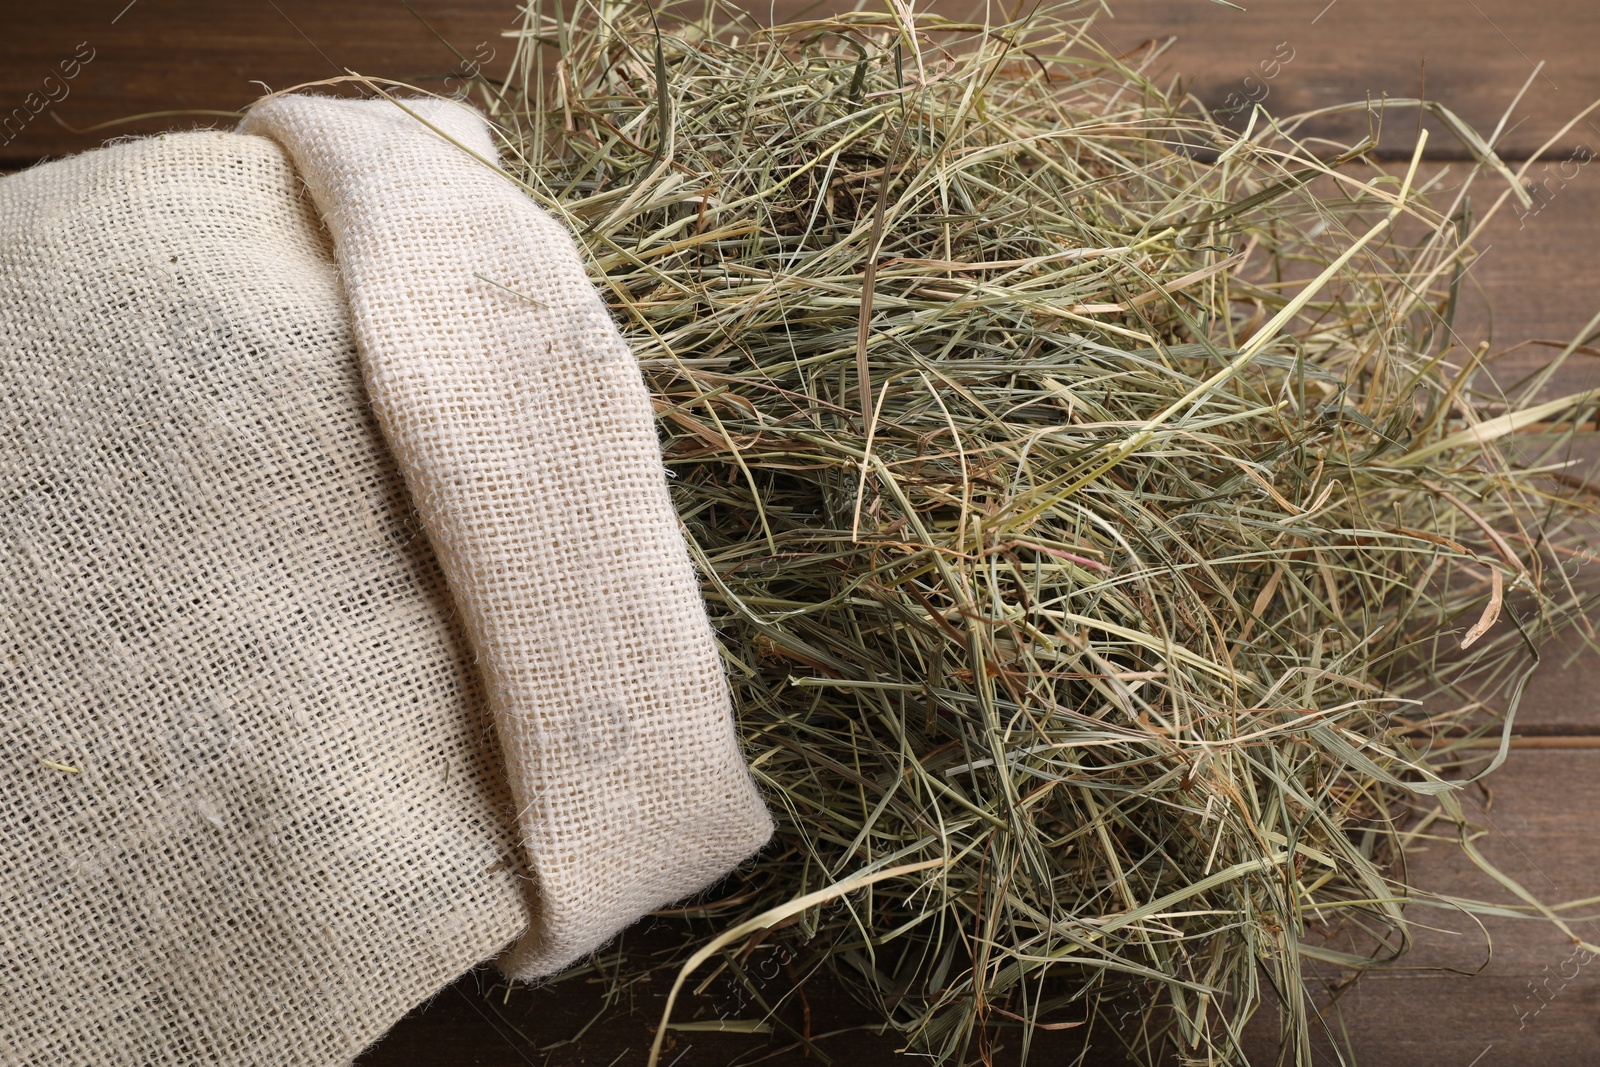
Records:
x=1094, y=501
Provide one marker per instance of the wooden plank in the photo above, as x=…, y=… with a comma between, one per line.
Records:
x=156, y=55
x=101, y=60
x=1303, y=55
x=1534, y=1004
x=475, y=1022
x=1536, y=279
x=1562, y=702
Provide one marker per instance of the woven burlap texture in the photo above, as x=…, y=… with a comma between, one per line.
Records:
x=323, y=469
x=527, y=437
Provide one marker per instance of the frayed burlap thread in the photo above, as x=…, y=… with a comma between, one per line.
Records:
x=527, y=438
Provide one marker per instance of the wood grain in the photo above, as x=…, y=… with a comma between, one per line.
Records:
x=1536, y=1003
x=1536, y=278
x=1472, y=55
x=162, y=55
x=159, y=55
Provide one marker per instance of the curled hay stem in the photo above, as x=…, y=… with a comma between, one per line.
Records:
x=1092, y=500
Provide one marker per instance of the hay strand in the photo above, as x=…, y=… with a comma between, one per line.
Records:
x=1109, y=536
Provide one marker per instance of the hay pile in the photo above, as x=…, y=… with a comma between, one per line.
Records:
x=1094, y=503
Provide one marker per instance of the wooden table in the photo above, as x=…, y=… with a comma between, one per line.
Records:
x=1534, y=1003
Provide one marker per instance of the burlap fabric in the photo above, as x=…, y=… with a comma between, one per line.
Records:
x=323, y=469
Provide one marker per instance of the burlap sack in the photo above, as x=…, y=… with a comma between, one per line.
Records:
x=323, y=468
